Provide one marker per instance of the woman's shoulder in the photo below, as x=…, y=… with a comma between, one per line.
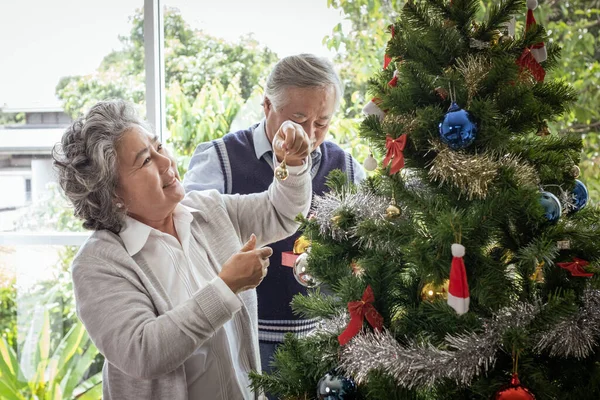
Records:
x=102, y=245
x=203, y=200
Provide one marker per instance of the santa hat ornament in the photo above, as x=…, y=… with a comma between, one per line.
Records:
x=537, y=50
x=458, y=288
x=373, y=109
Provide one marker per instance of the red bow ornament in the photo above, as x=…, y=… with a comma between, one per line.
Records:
x=576, y=267
x=395, y=153
x=359, y=310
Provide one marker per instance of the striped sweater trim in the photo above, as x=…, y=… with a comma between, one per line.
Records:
x=278, y=337
x=219, y=145
x=282, y=322
x=266, y=328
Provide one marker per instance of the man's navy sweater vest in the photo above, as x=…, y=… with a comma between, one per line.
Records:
x=252, y=175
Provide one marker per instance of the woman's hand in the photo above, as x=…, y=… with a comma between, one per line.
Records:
x=247, y=268
x=293, y=140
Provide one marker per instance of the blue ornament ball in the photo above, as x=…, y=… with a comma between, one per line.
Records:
x=457, y=129
x=336, y=387
x=552, y=206
x=579, y=195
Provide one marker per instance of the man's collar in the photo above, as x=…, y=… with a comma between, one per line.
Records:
x=261, y=141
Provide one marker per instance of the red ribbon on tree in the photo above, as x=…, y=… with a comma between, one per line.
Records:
x=395, y=153
x=527, y=60
x=575, y=267
x=359, y=310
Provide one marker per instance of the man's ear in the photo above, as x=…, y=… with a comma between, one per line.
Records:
x=267, y=106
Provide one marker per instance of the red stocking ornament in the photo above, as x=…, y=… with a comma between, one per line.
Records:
x=458, y=288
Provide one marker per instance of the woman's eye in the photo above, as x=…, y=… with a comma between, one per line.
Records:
x=146, y=161
x=159, y=147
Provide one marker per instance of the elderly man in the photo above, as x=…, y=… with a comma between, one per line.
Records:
x=304, y=89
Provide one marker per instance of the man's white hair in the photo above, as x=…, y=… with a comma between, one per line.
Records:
x=303, y=71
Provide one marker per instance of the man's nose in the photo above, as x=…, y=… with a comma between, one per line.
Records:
x=310, y=130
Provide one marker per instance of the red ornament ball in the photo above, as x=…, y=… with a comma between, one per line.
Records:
x=514, y=391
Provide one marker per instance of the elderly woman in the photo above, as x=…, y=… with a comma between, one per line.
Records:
x=165, y=284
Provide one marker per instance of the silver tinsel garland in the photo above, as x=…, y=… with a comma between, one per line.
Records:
x=461, y=358
x=577, y=335
x=332, y=326
x=363, y=205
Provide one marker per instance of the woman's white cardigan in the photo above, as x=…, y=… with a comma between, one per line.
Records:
x=128, y=315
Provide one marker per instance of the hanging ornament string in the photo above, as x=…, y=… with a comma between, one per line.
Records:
x=359, y=310
x=395, y=153
x=514, y=390
x=515, y=360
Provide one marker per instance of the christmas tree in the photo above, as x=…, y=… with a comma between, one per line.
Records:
x=470, y=260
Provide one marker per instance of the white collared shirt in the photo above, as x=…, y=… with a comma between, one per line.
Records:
x=183, y=268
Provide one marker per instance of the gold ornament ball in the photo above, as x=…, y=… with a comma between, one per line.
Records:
x=505, y=38
x=432, y=291
x=392, y=211
x=575, y=171
x=281, y=172
x=336, y=219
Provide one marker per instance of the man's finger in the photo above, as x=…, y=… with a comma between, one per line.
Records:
x=290, y=137
x=250, y=244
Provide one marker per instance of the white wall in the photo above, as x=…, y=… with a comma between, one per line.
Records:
x=12, y=191
x=41, y=174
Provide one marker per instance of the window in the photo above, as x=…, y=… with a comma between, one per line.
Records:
x=58, y=59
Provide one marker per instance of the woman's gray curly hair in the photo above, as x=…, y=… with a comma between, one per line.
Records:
x=86, y=162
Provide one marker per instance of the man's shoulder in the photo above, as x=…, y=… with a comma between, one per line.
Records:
x=330, y=146
x=333, y=149
x=243, y=135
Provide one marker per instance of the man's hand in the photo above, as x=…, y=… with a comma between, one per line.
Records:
x=293, y=140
